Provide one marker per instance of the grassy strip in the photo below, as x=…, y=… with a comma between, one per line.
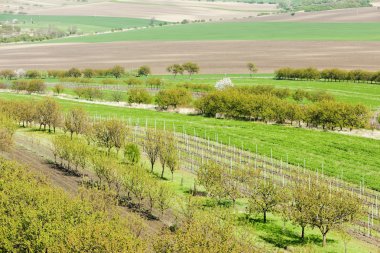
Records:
x=85, y=24
x=244, y=31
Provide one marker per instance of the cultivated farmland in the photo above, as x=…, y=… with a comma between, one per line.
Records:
x=185, y=126
x=211, y=55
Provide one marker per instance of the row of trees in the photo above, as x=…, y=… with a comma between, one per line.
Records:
x=129, y=176
x=117, y=71
x=46, y=113
x=177, y=69
x=232, y=103
x=164, y=98
x=30, y=86
x=328, y=75
x=308, y=202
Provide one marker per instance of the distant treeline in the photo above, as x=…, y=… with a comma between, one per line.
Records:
x=336, y=75
x=257, y=105
x=116, y=71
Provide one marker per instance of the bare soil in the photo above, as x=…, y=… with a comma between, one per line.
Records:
x=370, y=14
x=214, y=57
x=165, y=10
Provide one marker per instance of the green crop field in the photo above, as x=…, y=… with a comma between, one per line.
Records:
x=244, y=31
x=353, y=158
x=85, y=24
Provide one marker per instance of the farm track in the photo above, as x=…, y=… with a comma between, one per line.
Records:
x=37, y=157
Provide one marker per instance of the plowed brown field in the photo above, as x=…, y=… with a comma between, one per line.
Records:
x=217, y=57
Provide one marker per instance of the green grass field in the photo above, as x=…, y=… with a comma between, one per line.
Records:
x=84, y=24
x=244, y=31
x=355, y=157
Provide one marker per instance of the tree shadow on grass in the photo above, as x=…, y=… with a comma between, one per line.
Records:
x=281, y=237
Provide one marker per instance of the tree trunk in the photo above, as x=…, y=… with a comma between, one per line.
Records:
x=163, y=170
x=324, y=240
x=265, y=216
x=152, y=167
x=303, y=233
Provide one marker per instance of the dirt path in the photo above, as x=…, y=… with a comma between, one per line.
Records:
x=36, y=156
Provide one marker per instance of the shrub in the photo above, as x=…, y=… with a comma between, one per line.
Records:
x=144, y=71
x=36, y=86
x=58, y=88
x=32, y=74
x=173, y=97
x=88, y=73
x=73, y=72
x=139, y=96
x=133, y=81
x=88, y=92
x=154, y=82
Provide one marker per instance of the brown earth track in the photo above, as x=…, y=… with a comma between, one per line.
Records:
x=214, y=57
x=36, y=157
x=370, y=14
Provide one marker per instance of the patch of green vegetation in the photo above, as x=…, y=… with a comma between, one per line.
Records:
x=82, y=24
x=310, y=5
x=352, y=158
x=364, y=93
x=244, y=31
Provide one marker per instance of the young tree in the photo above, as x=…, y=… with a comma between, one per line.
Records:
x=211, y=175
x=132, y=153
x=164, y=198
x=7, y=74
x=73, y=72
x=111, y=134
x=173, y=97
x=300, y=204
x=117, y=71
x=133, y=81
x=32, y=74
x=166, y=149
x=264, y=196
x=152, y=146
x=76, y=121
x=58, y=89
x=173, y=161
x=191, y=68
x=37, y=86
x=117, y=96
x=175, y=69
x=139, y=96
x=252, y=68
x=88, y=73
x=154, y=82
x=48, y=113
x=7, y=129
x=332, y=207
x=144, y=71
